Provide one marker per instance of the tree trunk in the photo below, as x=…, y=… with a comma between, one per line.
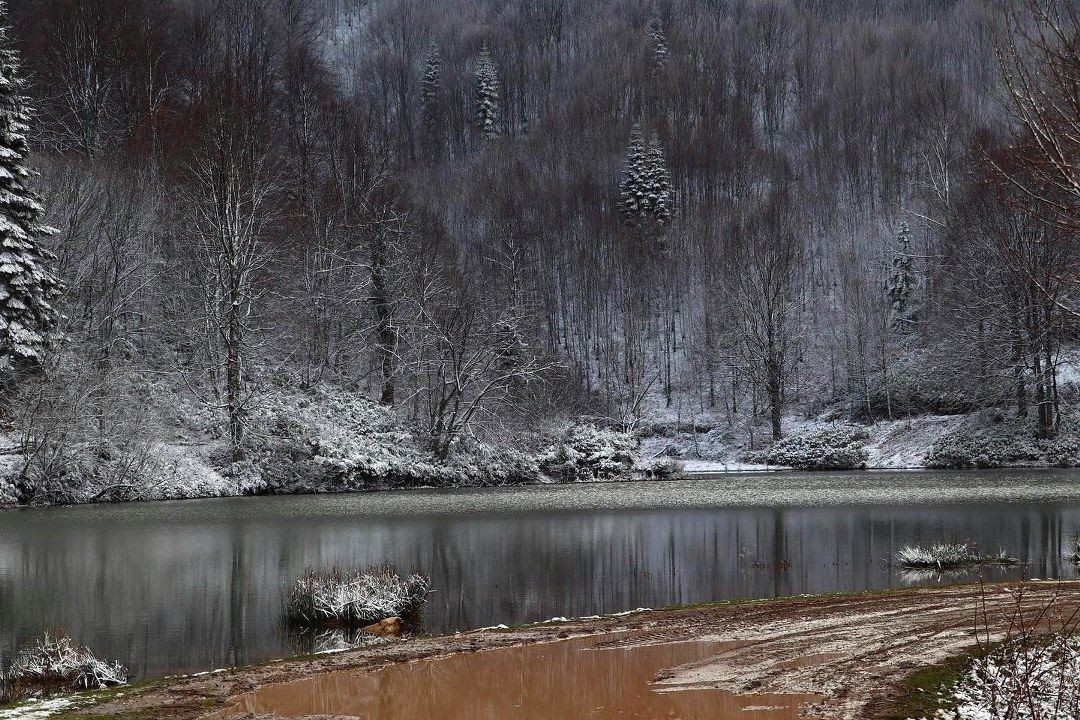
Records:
x=774, y=383
x=234, y=381
x=384, y=314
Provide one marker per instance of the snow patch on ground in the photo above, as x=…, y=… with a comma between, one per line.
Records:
x=893, y=444
x=37, y=709
x=708, y=467
x=898, y=444
x=1026, y=681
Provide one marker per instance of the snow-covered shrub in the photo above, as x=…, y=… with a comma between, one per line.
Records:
x=354, y=598
x=836, y=447
x=330, y=440
x=1027, y=679
x=9, y=494
x=88, y=436
x=1063, y=451
x=944, y=556
x=481, y=464
x=660, y=468
x=670, y=428
x=986, y=448
x=588, y=452
x=55, y=664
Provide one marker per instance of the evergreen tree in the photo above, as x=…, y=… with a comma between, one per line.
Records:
x=28, y=285
x=631, y=194
x=900, y=285
x=431, y=115
x=658, y=191
x=659, y=41
x=487, y=94
x=645, y=193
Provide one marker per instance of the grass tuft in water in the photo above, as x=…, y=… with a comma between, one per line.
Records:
x=946, y=556
x=352, y=598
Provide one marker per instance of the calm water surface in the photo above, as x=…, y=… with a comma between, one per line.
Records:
x=188, y=586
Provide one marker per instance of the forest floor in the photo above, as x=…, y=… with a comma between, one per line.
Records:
x=834, y=656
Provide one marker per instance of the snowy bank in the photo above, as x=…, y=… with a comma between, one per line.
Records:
x=977, y=440
x=1024, y=680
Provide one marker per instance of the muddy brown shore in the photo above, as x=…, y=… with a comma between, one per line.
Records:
x=842, y=656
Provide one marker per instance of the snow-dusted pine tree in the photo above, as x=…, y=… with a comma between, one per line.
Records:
x=645, y=193
x=631, y=202
x=658, y=191
x=431, y=116
x=900, y=285
x=28, y=285
x=487, y=94
x=659, y=41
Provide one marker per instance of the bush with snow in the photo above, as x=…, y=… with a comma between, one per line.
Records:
x=9, y=494
x=1032, y=679
x=945, y=556
x=836, y=447
x=984, y=448
x=1063, y=451
x=660, y=468
x=1003, y=446
x=588, y=452
x=330, y=440
x=55, y=664
x=354, y=598
x=86, y=437
x=482, y=464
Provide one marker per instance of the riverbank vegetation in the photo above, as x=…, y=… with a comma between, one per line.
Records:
x=1036, y=679
x=54, y=664
x=267, y=246
x=354, y=598
x=949, y=556
x=834, y=447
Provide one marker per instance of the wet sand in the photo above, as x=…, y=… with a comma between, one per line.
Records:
x=820, y=657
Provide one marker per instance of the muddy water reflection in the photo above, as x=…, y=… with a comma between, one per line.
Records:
x=558, y=680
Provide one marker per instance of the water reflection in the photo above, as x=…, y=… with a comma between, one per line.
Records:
x=174, y=587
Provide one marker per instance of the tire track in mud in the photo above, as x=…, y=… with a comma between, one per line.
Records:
x=853, y=651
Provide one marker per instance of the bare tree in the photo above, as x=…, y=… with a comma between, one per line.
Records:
x=768, y=299
x=233, y=186
x=1040, y=65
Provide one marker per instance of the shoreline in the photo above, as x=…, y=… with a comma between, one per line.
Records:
x=696, y=474
x=719, y=490
x=853, y=650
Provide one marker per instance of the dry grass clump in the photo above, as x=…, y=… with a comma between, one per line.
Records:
x=55, y=664
x=945, y=556
x=338, y=597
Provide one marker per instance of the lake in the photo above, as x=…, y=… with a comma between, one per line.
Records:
x=186, y=586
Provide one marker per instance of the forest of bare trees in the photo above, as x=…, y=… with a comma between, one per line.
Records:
x=486, y=215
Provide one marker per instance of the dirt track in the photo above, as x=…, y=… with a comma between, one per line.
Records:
x=853, y=650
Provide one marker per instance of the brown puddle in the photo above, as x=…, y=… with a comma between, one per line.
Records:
x=557, y=680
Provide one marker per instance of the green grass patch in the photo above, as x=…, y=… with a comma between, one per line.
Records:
x=928, y=689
